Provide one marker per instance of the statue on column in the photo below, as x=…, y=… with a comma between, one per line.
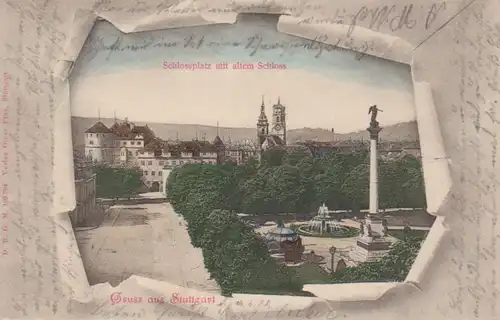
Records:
x=374, y=111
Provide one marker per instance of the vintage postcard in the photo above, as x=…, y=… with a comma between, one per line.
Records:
x=237, y=159
x=333, y=160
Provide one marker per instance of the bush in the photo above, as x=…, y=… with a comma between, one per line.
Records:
x=391, y=268
x=238, y=259
x=113, y=182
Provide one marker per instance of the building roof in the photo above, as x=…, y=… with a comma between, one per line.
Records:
x=281, y=234
x=98, y=127
x=262, y=117
x=122, y=130
x=146, y=132
x=278, y=105
x=272, y=141
x=282, y=231
x=218, y=141
x=129, y=131
x=206, y=146
x=155, y=144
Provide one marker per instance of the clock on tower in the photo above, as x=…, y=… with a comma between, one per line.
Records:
x=279, y=120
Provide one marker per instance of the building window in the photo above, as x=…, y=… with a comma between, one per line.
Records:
x=161, y=163
x=122, y=154
x=91, y=142
x=124, y=143
x=142, y=163
x=153, y=173
x=159, y=173
x=174, y=163
x=132, y=143
x=130, y=153
x=150, y=163
x=145, y=173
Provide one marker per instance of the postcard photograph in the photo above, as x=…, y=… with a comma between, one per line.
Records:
x=234, y=158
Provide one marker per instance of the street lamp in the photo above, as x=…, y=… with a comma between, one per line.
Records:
x=332, y=250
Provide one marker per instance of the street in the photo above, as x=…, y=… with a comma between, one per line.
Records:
x=148, y=240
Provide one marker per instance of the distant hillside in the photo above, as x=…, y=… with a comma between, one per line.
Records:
x=168, y=131
x=406, y=131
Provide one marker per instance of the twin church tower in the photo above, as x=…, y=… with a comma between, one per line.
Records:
x=278, y=125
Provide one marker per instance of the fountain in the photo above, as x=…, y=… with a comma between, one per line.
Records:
x=324, y=225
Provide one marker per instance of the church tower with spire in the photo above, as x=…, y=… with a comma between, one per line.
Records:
x=262, y=124
x=279, y=121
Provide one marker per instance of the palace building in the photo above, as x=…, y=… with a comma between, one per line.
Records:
x=127, y=144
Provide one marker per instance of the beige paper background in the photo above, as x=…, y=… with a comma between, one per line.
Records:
x=460, y=63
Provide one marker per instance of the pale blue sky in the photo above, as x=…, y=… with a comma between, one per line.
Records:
x=371, y=80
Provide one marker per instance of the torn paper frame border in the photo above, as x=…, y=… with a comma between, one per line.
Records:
x=435, y=163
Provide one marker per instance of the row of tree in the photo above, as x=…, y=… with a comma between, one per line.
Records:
x=208, y=196
x=293, y=180
x=234, y=255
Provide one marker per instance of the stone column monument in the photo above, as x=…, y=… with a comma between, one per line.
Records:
x=373, y=242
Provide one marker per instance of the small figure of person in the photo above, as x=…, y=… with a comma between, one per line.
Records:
x=369, y=230
x=323, y=210
x=385, y=231
x=406, y=229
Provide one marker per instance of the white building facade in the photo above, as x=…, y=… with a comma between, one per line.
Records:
x=137, y=146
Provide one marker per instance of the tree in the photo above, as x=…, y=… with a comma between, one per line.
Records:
x=273, y=157
x=414, y=189
x=250, y=167
x=197, y=210
x=392, y=177
x=113, y=182
x=295, y=156
x=257, y=198
x=180, y=183
x=355, y=187
x=286, y=187
x=327, y=187
x=192, y=179
x=238, y=259
x=392, y=267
